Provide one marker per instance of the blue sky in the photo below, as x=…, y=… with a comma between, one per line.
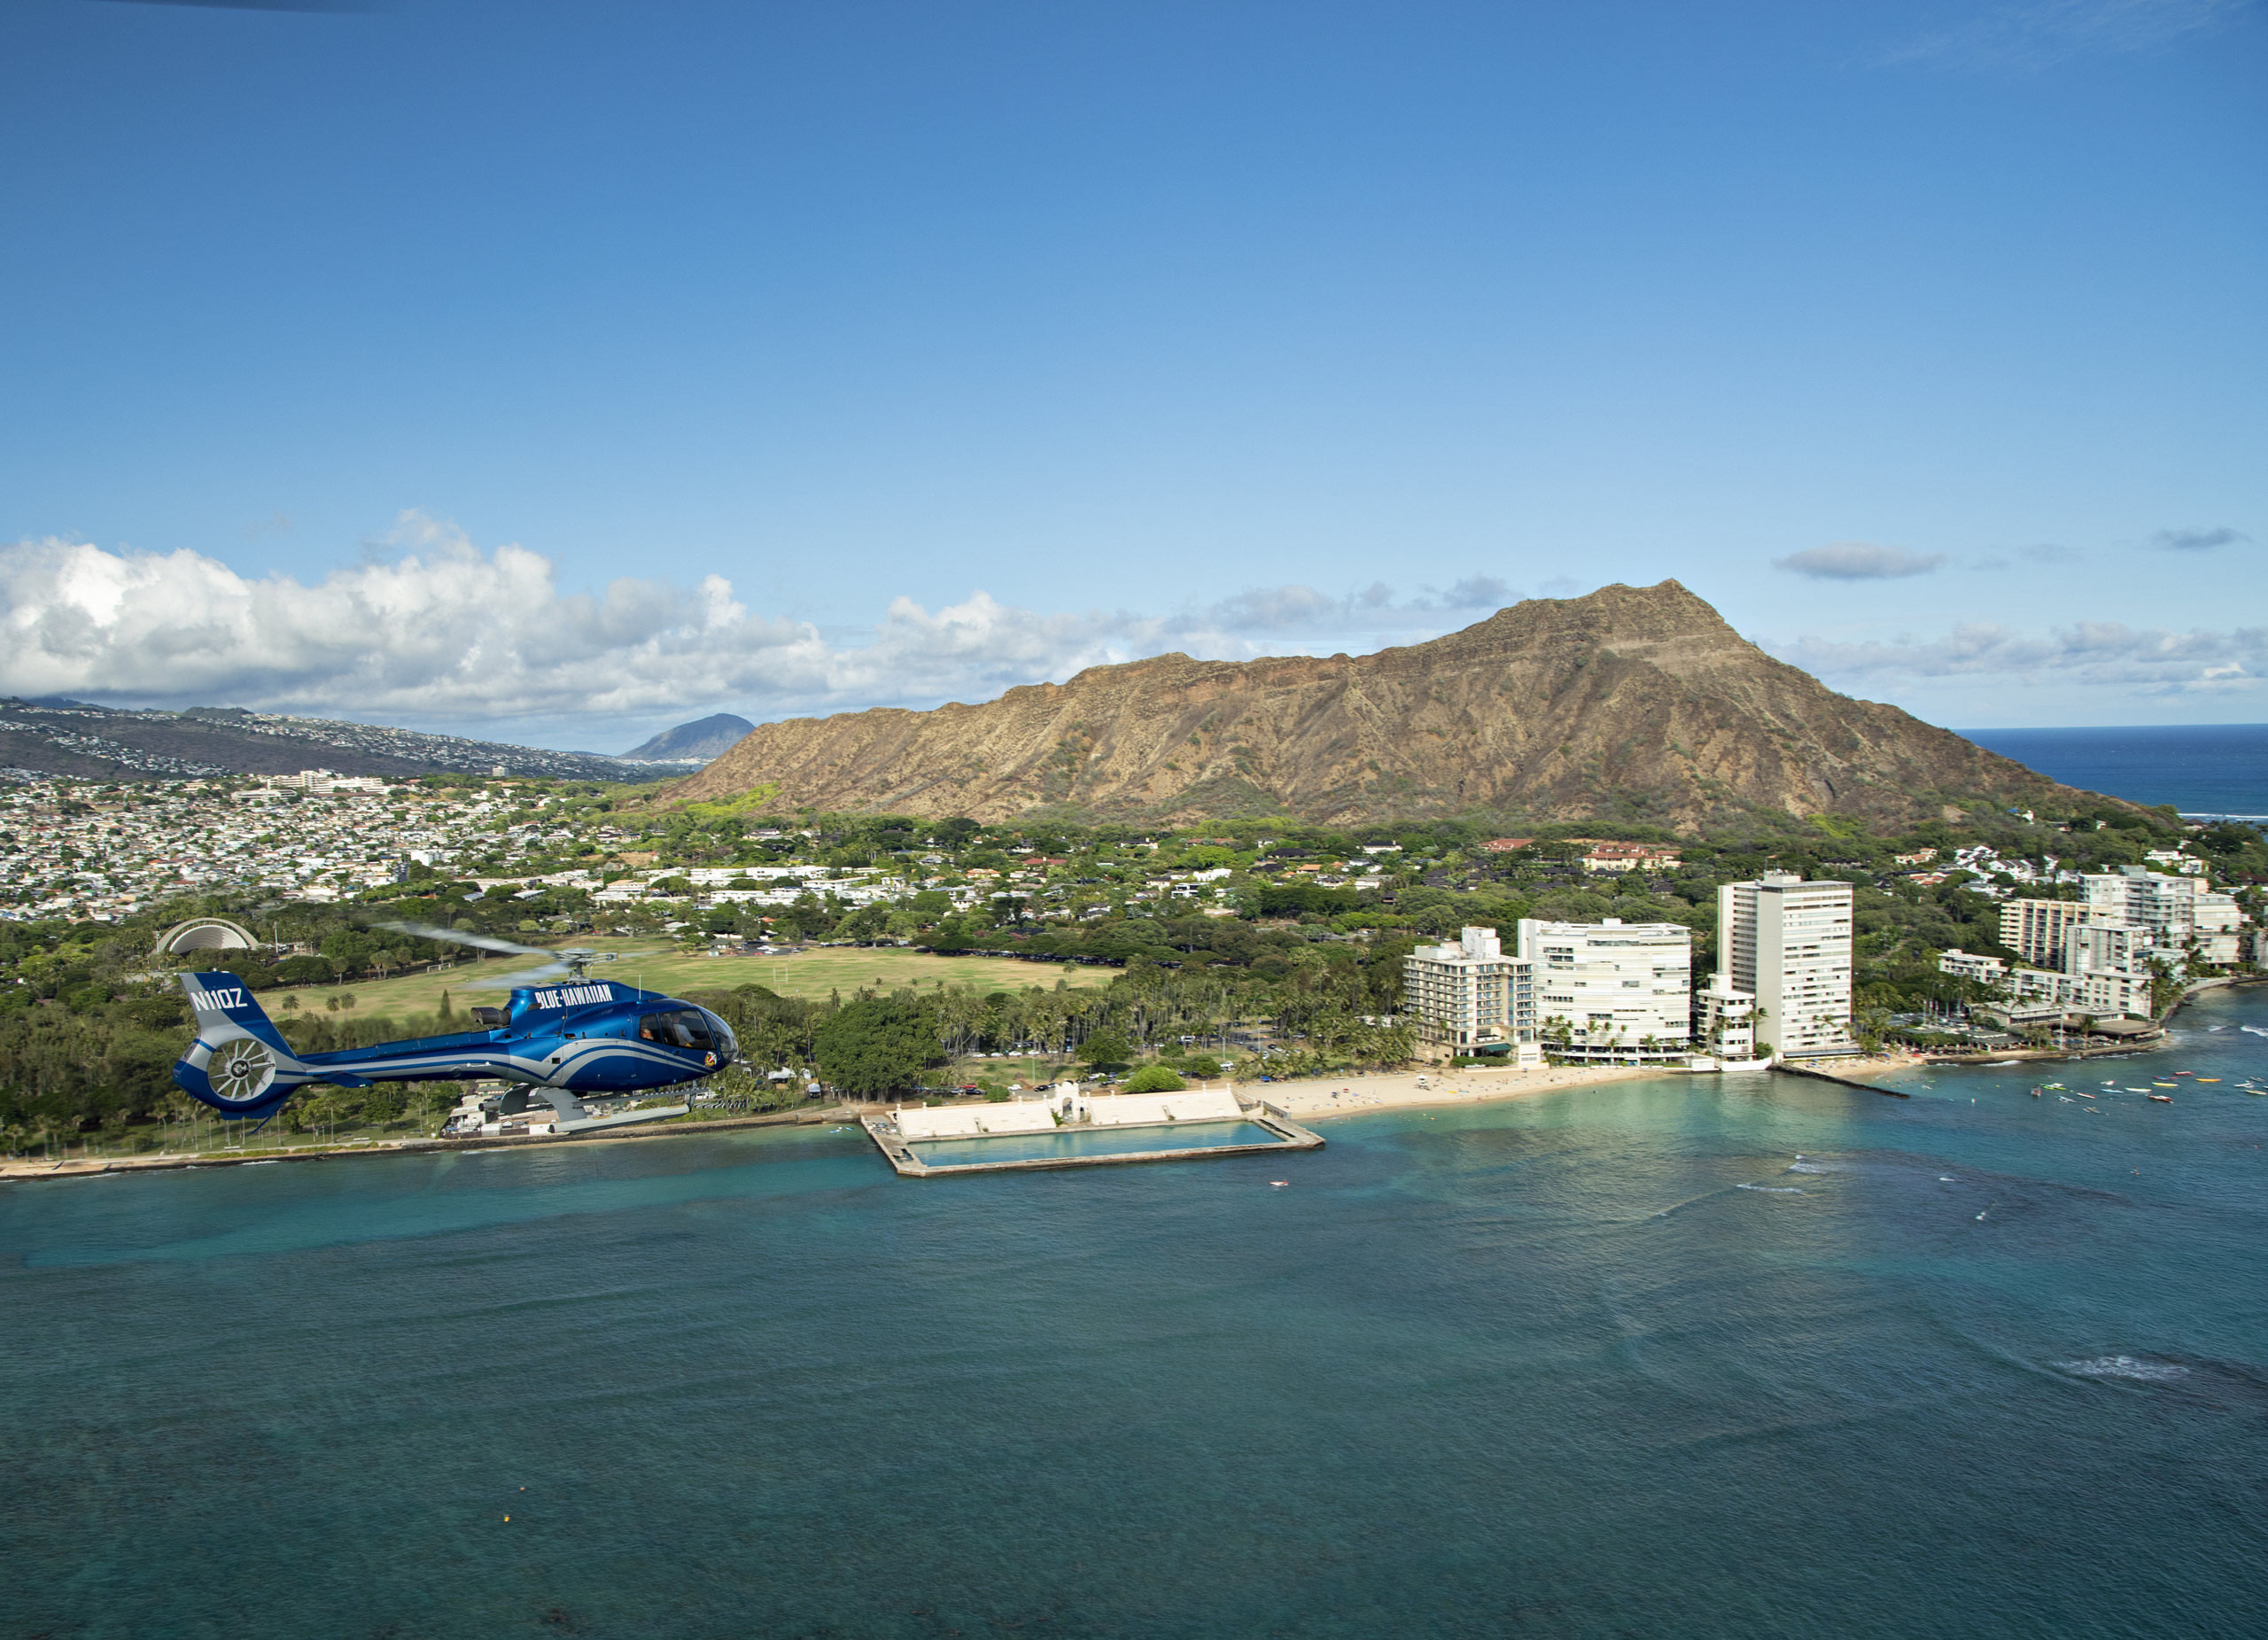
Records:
x=560, y=371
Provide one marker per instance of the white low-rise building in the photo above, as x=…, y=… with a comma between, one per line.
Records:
x=2108, y=994
x=1972, y=965
x=1725, y=1023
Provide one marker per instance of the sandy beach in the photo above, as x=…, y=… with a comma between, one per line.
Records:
x=1325, y=1096
x=1344, y=1095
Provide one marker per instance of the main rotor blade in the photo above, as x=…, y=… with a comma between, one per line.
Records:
x=519, y=976
x=457, y=936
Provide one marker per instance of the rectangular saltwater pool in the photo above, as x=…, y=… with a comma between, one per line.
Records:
x=953, y=1153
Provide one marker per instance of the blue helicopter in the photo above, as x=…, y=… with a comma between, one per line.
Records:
x=560, y=1042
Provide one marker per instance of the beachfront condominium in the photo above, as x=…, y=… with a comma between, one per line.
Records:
x=1724, y=1022
x=1470, y=997
x=1614, y=991
x=2039, y=930
x=2181, y=913
x=1787, y=942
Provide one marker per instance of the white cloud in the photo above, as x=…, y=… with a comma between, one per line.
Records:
x=2102, y=654
x=1857, y=560
x=438, y=630
x=2045, y=32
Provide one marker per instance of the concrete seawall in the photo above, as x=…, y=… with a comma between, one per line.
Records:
x=1820, y=1075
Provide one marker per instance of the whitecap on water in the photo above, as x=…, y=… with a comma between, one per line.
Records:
x=1773, y=1190
x=2125, y=1366
x=1808, y=1167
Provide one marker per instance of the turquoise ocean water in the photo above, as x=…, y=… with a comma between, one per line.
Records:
x=1684, y=1356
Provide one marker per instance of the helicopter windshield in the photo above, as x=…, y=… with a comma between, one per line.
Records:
x=684, y=1028
x=727, y=1049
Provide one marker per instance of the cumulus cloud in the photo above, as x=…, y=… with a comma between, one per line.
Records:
x=2196, y=541
x=435, y=629
x=2143, y=661
x=1857, y=560
x=2043, y=33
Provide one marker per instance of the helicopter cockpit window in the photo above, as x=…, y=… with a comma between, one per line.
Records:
x=687, y=1027
x=723, y=1034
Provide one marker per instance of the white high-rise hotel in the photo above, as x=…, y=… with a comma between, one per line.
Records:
x=1613, y=991
x=1786, y=944
x=1470, y=998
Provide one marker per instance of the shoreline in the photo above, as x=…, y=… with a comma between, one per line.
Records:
x=1312, y=1096
x=1316, y=1097
x=164, y=1161
x=1308, y=1098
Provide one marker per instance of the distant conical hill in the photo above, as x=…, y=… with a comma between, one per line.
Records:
x=706, y=738
x=1636, y=704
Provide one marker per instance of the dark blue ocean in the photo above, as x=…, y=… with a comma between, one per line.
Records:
x=1684, y=1356
x=2201, y=768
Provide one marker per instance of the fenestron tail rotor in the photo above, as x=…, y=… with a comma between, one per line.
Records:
x=241, y=1070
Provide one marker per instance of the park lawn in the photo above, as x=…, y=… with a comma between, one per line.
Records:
x=815, y=973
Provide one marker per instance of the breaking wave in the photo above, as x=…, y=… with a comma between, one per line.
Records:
x=2127, y=1367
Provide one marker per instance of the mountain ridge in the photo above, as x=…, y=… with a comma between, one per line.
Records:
x=83, y=741
x=1634, y=703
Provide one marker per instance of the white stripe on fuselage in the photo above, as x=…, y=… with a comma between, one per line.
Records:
x=409, y=1068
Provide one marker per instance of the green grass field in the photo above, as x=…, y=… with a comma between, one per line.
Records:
x=812, y=974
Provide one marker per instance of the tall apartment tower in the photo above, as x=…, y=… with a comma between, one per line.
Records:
x=1470, y=997
x=1787, y=942
x=2040, y=931
x=1613, y=991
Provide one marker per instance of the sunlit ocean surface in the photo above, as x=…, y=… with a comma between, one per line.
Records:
x=2198, y=768
x=1686, y=1356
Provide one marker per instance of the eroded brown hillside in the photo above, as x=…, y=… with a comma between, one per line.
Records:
x=1636, y=703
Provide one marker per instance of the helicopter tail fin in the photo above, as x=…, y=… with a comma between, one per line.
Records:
x=221, y=1069
x=226, y=1011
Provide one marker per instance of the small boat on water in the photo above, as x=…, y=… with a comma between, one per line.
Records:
x=2082, y=1093
x=2209, y=1078
x=2163, y=1099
